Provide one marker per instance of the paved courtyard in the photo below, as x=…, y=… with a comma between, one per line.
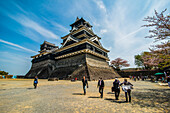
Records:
x=18, y=96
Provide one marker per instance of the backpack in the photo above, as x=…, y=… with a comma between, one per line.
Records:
x=35, y=82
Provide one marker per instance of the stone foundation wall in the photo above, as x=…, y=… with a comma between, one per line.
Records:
x=76, y=66
x=65, y=67
x=96, y=62
x=41, y=69
x=71, y=61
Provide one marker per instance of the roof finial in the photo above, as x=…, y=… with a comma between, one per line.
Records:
x=77, y=18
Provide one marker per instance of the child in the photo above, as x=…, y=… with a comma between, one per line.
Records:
x=35, y=82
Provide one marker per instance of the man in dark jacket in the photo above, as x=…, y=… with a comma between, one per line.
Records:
x=116, y=87
x=85, y=83
x=101, y=87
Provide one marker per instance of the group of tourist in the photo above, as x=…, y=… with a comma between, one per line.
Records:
x=138, y=78
x=163, y=79
x=116, y=87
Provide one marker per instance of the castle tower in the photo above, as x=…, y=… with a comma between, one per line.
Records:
x=81, y=54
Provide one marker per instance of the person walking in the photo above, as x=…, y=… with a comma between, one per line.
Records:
x=101, y=87
x=127, y=89
x=116, y=88
x=135, y=78
x=85, y=83
x=35, y=82
x=168, y=80
x=130, y=77
x=163, y=80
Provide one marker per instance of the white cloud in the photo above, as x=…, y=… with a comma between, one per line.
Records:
x=14, y=63
x=18, y=46
x=34, y=26
x=131, y=34
x=31, y=29
x=60, y=27
x=102, y=31
x=13, y=57
x=101, y=5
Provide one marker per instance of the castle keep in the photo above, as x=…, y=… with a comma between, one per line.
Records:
x=81, y=54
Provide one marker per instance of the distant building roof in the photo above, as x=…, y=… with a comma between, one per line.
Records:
x=45, y=42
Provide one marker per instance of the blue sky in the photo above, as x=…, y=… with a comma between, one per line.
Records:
x=25, y=24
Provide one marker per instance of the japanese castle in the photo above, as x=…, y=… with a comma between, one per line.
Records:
x=81, y=53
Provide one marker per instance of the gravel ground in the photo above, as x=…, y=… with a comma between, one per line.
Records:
x=18, y=96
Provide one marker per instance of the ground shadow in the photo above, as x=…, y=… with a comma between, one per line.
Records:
x=115, y=101
x=2, y=89
x=77, y=93
x=110, y=93
x=30, y=88
x=158, y=98
x=93, y=97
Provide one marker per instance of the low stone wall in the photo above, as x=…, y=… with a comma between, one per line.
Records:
x=125, y=74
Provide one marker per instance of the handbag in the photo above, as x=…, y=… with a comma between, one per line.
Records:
x=112, y=89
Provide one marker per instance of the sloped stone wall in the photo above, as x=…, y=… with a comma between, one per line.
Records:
x=96, y=62
x=76, y=67
x=41, y=69
x=65, y=67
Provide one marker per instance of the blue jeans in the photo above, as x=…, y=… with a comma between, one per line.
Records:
x=84, y=88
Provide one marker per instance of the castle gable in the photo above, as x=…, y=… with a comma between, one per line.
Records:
x=70, y=40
